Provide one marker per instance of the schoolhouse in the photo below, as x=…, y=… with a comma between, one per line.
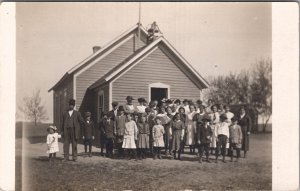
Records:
x=136, y=63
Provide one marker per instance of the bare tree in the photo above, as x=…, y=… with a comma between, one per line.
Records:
x=33, y=109
x=261, y=89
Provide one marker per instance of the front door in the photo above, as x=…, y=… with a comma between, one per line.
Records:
x=158, y=94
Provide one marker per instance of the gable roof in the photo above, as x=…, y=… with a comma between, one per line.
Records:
x=98, y=53
x=132, y=60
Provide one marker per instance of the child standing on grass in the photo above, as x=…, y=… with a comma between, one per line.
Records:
x=88, y=133
x=158, y=138
x=222, y=132
x=178, y=129
x=52, y=142
x=130, y=136
x=204, y=134
x=143, y=136
x=235, y=138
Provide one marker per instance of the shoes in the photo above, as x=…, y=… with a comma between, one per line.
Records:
x=159, y=156
x=90, y=155
x=74, y=159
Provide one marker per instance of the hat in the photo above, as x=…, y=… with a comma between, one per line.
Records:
x=168, y=101
x=147, y=109
x=206, y=118
x=114, y=103
x=185, y=100
x=163, y=100
x=72, y=102
x=105, y=114
x=129, y=98
x=52, y=127
x=223, y=116
x=121, y=108
x=87, y=114
x=141, y=99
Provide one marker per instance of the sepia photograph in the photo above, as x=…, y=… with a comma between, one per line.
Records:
x=143, y=96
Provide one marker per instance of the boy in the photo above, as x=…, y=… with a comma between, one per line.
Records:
x=178, y=129
x=108, y=131
x=204, y=133
x=222, y=133
x=88, y=133
x=235, y=138
x=120, y=121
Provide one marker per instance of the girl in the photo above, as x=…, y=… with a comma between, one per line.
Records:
x=129, y=108
x=191, y=129
x=130, y=136
x=183, y=119
x=52, y=142
x=215, y=119
x=235, y=138
x=141, y=108
x=177, y=135
x=158, y=140
x=143, y=136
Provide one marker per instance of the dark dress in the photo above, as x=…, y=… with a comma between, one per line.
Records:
x=245, y=124
x=198, y=118
x=143, y=135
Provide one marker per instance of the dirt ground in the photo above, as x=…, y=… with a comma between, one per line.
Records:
x=100, y=173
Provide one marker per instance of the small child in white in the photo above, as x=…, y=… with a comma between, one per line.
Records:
x=52, y=142
x=158, y=139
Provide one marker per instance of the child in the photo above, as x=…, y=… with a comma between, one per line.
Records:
x=120, y=121
x=143, y=136
x=235, y=138
x=178, y=129
x=129, y=108
x=168, y=132
x=150, y=116
x=108, y=130
x=130, y=136
x=186, y=106
x=52, y=142
x=215, y=120
x=158, y=139
x=141, y=108
x=204, y=134
x=191, y=129
x=88, y=133
x=222, y=132
x=183, y=119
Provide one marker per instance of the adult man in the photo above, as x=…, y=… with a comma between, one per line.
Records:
x=114, y=112
x=70, y=130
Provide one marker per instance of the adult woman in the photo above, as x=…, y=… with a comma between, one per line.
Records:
x=245, y=123
x=191, y=129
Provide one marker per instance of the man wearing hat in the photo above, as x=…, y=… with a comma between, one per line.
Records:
x=222, y=133
x=88, y=133
x=120, y=121
x=114, y=111
x=129, y=108
x=70, y=130
x=204, y=134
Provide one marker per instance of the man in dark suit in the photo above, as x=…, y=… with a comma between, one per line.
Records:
x=114, y=112
x=70, y=130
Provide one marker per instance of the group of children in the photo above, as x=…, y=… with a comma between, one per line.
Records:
x=136, y=131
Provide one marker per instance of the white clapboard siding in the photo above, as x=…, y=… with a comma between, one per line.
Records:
x=92, y=74
x=156, y=67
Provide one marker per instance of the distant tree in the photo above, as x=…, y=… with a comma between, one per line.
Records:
x=261, y=89
x=33, y=109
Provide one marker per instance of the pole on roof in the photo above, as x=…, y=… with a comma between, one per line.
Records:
x=139, y=24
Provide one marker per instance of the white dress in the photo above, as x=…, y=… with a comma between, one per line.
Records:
x=158, y=132
x=52, y=143
x=191, y=129
x=141, y=108
x=130, y=134
x=215, y=119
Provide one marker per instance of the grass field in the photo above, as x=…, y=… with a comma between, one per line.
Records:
x=99, y=173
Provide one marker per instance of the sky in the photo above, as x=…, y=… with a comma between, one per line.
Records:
x=215, y=38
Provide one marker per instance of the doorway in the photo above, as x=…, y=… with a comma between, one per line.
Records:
x=158, y=94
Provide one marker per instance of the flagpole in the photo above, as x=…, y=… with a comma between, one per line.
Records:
x=139, y=24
